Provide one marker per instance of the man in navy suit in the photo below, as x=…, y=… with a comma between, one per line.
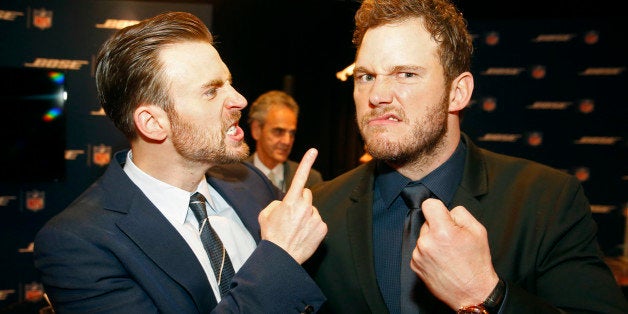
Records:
x=130, y=243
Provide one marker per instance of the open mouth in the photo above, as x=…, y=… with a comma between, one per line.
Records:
x=235, y=132
x=232, y=130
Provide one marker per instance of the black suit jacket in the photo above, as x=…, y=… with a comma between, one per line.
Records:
x=112, y=251
x=540, y=230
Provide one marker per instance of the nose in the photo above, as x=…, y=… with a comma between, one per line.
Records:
x=287, y=138
x=381, y=91
x=235, y=100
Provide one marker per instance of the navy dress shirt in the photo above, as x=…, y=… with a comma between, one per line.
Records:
x=389, y=212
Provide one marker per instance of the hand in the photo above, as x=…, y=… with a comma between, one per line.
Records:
x=452, y=256
x=294, y=224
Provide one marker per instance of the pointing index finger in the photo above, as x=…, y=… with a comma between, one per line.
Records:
x=300, y=177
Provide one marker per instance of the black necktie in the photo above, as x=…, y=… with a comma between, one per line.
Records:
x=413, y=195
x=221, y=264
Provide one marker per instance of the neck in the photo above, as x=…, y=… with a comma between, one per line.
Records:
x=424, y=164
x=169, y=167
x=267, y=161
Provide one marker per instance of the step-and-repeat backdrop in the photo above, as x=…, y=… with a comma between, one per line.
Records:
x=51, y=46
x=556, y=91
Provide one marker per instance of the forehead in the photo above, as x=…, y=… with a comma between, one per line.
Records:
x=401, y=43
x=187, y=62
x=280, y=114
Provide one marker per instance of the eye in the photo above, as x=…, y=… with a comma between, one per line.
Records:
x=364, y=77
x=211, y=92
x=407, y=75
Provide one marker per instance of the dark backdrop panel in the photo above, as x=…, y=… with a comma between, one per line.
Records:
x=554, y=91
x=61, y=35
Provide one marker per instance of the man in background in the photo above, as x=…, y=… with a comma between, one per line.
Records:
x=273, y=120
x=435, y=224
x=175, y=224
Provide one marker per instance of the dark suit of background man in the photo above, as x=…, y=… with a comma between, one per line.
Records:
x=130, y=243
x=500, y=234
x=273, y=120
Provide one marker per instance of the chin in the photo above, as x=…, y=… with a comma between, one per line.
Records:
x=236, y=153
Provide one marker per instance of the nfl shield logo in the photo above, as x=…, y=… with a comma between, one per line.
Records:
x=586, y=106
x=34, y=291
x=535, y=138
x=489, y=104
x=42, y=18
x=582, y=173
x=35, y=200
x=102, y=155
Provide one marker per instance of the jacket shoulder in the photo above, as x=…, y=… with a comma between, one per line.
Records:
x=357, y=178
x=235, y=172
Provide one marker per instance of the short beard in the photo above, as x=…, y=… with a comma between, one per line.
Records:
x=416, y=147
x=198, y=146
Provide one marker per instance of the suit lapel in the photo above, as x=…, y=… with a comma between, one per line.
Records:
x=474, y=180
x=246, y=210
x=156, y=237
x=360, y=233
x=245, y=192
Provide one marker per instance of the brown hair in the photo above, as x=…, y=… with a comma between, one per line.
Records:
x=129, y=71
x=440, y=17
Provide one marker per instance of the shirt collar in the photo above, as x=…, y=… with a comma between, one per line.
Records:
x=171, y=201
x=442, y=182
x=277, y=171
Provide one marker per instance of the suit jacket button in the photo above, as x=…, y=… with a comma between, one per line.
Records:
x=308, y=309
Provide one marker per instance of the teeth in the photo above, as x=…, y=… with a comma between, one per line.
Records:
x=231, y=130
x=393, y=119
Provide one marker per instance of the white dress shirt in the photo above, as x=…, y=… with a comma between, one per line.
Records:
x=276, y=173
x=173, y=203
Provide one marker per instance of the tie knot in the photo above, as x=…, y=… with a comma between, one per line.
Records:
x=414, y=195
x=197, y=204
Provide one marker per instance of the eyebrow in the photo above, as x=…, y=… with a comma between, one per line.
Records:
x=407, y=68
x=360, y=69
x=395, y=69
x=217, y=82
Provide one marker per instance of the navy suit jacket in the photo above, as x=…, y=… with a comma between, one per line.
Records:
x=540, y=232
x=112, y=251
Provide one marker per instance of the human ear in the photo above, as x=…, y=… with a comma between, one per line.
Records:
x=460, y=92
x=151, y=122
x=256, y=129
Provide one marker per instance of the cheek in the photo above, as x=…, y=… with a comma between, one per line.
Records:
x=270, y=139
x=406, y=94
x=359, y=94
x=361, y=101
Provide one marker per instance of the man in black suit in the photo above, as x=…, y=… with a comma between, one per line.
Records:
x=132, y=243
x=497, y=234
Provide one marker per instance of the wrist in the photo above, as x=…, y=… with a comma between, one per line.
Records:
x=490, y=305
